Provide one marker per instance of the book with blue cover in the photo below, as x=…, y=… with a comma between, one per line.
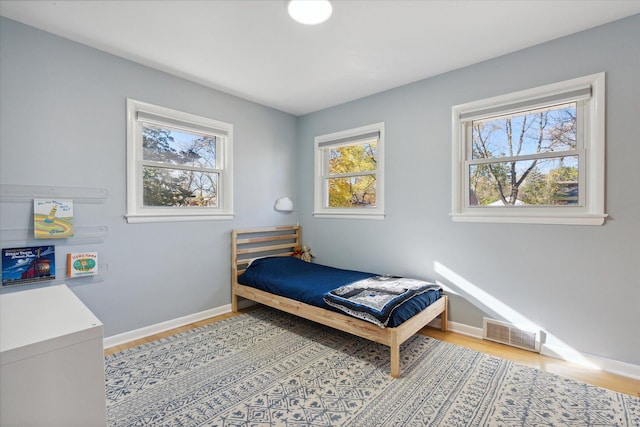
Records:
x=28, y=265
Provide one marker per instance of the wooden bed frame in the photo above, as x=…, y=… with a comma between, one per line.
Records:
x=249, y=244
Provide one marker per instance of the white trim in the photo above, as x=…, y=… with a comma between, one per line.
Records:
x=458, y=328
x=497, y=216
x=608, y=365
x=335, y=138
x=504, y=106
x=605, y=364
x=147, y=331
x=136, y=212
x=591, y=155
x=352, y=139
x=140, y=218
x=186, y=122
x=349, y=215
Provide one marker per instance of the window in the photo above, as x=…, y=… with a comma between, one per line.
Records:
x=178, y=165
x=349, y=173
x=535, y=156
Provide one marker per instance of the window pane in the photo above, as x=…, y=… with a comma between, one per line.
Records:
x=173, y=187
x=534, y=131
x=541, y=182
x=353, y=158
x=352, y=192
x=178, y=147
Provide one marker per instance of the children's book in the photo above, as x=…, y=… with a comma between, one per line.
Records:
x=52, y=219
x=82, y=264
x=27, y=265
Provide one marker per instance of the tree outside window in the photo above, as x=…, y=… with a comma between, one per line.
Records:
x=525, y=159
x=349, y=173
x=179, y=165
x=352, y=175
x=180, y=169
x=535, y=156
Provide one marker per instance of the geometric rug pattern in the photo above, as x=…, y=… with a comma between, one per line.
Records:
x=268, y=368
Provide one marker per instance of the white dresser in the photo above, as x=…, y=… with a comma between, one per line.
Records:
x=52, y=363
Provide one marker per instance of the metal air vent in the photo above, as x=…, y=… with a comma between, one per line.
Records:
x=506, y=333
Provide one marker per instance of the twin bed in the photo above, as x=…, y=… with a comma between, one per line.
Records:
x=264, y=271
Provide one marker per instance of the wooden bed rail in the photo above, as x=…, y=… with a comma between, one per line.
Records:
x=253, y=243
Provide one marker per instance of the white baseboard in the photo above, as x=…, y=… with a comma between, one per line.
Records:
x=608, y=365
x=460, y=328
x=147, y=331
x=596, y=362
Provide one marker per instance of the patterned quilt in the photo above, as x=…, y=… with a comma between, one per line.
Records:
x=375, y=298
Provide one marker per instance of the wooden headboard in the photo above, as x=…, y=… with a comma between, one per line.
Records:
x=251, y=243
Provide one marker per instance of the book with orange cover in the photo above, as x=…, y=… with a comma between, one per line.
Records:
x=82, y=264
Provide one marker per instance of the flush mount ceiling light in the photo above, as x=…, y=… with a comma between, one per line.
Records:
x=309, y=12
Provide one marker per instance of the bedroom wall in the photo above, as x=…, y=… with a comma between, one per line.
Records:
x=62, y=115
x=578, y=283
x=62, y=123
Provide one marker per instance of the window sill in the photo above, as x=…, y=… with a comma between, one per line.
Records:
x=565, y=219
x=141, y=218
x=349, y=215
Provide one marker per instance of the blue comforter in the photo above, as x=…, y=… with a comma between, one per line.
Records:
x=376, y=298
x=310, y=283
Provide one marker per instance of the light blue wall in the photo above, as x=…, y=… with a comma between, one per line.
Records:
x=62, y=103
x=579, y=283
x=63, y=124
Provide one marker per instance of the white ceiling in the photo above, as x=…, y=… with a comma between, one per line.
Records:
x=252, y=49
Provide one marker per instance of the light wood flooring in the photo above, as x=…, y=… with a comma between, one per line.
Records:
x=566, y=369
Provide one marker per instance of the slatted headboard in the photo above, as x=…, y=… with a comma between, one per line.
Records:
x=251, y=243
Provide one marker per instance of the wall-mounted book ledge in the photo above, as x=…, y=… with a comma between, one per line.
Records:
x=81, y=236
x=49, y=224
x=26, y=193
x=61, y=277
x=72, y=281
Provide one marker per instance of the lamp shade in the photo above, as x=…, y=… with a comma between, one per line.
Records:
x=284, y=204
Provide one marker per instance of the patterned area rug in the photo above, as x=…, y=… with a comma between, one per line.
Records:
x=267, y=368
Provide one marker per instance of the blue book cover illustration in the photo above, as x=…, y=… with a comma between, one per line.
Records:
x=28, y=265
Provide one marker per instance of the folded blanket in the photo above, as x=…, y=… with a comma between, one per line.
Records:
x=374, y=299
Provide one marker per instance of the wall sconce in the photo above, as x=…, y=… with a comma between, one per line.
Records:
x=284, y=204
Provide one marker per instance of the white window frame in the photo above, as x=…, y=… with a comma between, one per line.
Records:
x=149, y=113
x=350, y=136
x=591, y=153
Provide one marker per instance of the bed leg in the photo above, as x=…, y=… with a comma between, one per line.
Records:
x=395, y=356
x=445, y=315
x=234, y=302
